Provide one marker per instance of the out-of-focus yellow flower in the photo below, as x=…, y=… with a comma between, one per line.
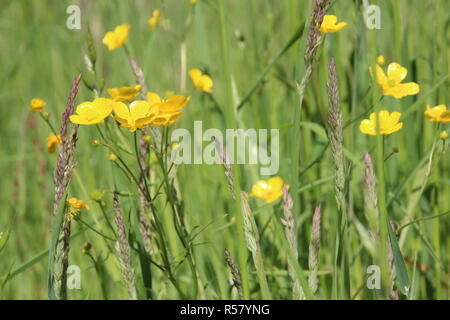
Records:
x=330, y=25
x=74, y=207
x=137, y=116
x=53, y=141
x=77, y=204
x=381, y=60
x=112, y=157
x=389, y=123
x=270, y=190
x=154, y=19
x=391, y=83
x=438, y=113
x=95, y=143
x=125, y=94
x=201, y=81
x=193, y=2
x=94, y=112
x=166, y=111
x=443, y=135
x=117, y=38
x=37, y=105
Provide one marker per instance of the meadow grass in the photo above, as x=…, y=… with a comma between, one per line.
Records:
x=254, y=52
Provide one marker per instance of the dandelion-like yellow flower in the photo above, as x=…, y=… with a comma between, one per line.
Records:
x=330, y=25
x=77, y=204
x=125, y=94
x=270, y=190
x=391, y=83
x=438, y=113
x=154, y=19
x=74, y=206
x=201, y=81
x=37, y=105
x=53, y=141
x=94, y=112
x=166, y=111
x=137, y=116
x=389, y=123
x=117, y=38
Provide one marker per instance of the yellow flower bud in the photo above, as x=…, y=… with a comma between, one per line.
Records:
x=37, y=105
x=112, y=157
x=380, y=60
x=443, y=135
x=86, y=248
x=95, y=143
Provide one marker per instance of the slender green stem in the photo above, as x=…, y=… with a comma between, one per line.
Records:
x=47, y=121
x=231, y=121
x=384, y=220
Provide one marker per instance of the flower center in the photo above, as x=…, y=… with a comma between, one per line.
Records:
x=391, y=83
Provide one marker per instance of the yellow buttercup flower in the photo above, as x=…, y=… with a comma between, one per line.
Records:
x=389, y=123
x=125, y=94
x=391, y=83
x=94, y=112
x=270, y=190
x=166, y=111
x=117, y=38
x=330, y=25
x=137, y=116
x=37, y=105
x=154, y=19
x=53, y=141
x=201, y=81
x=438, y=113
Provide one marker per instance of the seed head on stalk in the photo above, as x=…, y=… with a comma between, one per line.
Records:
x=314, y=245
x=124, y=250
x=289, y=230
x=335, y=122
x=59, y=243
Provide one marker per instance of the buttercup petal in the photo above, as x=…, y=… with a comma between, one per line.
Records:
x=396, y=72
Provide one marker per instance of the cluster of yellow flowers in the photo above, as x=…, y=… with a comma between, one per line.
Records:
x=139, y=114
x=119, y=36
x=390, y=84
